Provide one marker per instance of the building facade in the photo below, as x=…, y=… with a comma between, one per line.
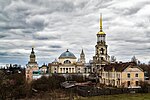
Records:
x=122, y=75
x=67, y=64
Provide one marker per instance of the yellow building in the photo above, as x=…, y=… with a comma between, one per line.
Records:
x=122, y=75
x=67, y=64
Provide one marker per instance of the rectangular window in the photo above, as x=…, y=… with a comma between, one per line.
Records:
x=85, y=70
x=118, y=82
x=136, y=83
x=72, y=70
x=93, y=70
x=66, y=70
x=128, y=83
x=128, y=75
x=118, y=75
x=61, y=70
x=136, y=75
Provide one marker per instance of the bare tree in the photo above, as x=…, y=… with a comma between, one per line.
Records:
x=133, y=59
x=113, y=59
x=138, y=62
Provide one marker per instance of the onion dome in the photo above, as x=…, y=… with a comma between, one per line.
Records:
x=32, y=55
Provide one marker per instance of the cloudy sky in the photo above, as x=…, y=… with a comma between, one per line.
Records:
x=52, y=26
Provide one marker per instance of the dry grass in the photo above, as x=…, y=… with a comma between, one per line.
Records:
x=137, y=96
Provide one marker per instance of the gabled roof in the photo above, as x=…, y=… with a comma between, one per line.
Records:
x=119, y=67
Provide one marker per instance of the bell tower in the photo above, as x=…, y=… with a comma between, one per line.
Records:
x=31, y=66
x=32, y=56
x=101, y=56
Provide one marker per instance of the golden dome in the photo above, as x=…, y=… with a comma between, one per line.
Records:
x=101, y=32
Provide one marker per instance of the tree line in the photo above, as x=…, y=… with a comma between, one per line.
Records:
x=14, y=86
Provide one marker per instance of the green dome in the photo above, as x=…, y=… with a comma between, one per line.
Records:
x=67, y=54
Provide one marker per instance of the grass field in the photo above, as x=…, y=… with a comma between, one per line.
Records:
x=145, y=96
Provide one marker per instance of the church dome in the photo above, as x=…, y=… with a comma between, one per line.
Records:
x=102, y=33
x=67, y=54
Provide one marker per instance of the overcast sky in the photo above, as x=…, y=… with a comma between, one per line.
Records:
x=52, y=26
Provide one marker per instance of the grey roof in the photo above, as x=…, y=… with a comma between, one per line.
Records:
x=67, y=54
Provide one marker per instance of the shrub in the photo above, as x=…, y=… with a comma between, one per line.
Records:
x=47, y=83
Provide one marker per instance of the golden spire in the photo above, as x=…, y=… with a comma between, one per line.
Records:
x=101, y=25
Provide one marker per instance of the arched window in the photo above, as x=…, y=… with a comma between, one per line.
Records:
x=67, y=62
x=102, y=51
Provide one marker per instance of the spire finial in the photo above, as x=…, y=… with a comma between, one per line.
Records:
x=67, y=50
x=32, y=49
x=101, y=22
x=82, y=52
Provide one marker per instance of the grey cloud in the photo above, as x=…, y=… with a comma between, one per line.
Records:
x=138, y=41
x=3, y=36
x=45, y=35
x=148, y=33
x=36, y=22
x=46, y=38
x=52, y=26
x=3, y=54
x=55, y=46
